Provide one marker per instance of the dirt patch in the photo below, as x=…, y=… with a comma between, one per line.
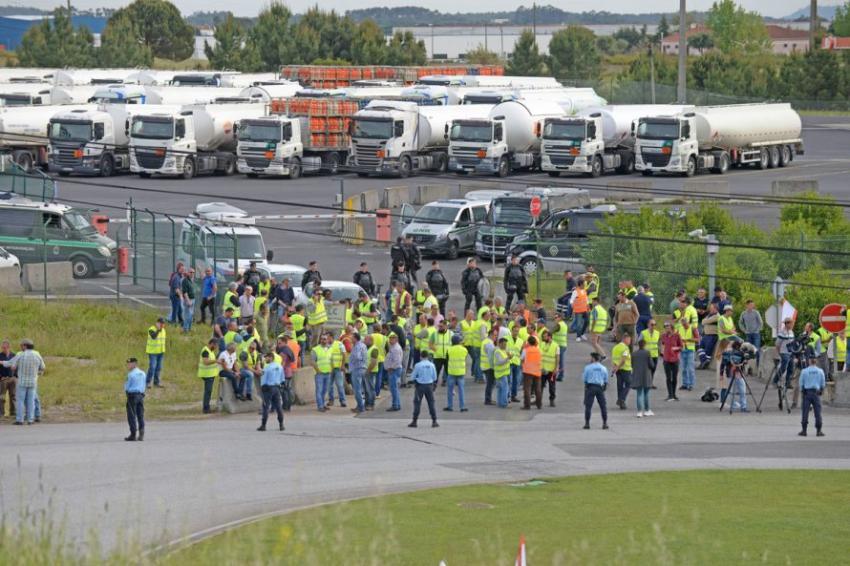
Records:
x=84, y=362
x=475, y=505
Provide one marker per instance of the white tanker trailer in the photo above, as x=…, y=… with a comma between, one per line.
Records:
x=718, y=137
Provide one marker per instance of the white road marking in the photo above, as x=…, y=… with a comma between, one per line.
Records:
x=134, y=299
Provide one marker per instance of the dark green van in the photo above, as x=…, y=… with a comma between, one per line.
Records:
x=35, y=230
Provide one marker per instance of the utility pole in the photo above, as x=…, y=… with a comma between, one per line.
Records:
x=813, y=24
x=683, y=52
x=486, y=46
x=534, y=20
x=651, y=74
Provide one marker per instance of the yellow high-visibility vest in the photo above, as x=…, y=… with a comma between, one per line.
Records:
x=457, y=360
x=501, y=363
x=337, y=354
x=205, y=370
x=323, y=359
x=442, y=343
x=651, y=339
x=550, y=354
x=155, y=345
x=561, y=334
x=319, y=314
x=471, y=333
x=600, y=325
x=486, y=361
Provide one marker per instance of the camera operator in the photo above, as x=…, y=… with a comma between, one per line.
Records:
x=784, y=344
x=812, y=383
x=735, y=358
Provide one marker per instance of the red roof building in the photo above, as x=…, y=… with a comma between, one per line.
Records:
x=784, y=40
x=832, y=42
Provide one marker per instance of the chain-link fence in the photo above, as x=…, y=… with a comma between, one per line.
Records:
x=34, y=185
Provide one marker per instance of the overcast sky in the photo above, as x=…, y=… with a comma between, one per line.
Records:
x=766, y=7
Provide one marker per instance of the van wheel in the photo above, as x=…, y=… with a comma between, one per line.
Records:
x=295, y=169
x=362, y=175
x=529, y=265
x=504, y=168
x=188, y=168
x=646, y=173
x=82, y=268
x=453, y=250
x=107, y=166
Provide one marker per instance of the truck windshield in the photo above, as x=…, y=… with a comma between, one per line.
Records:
x=259, y=132
x=249, y=246
x=511, y=212
x=373, y=129
x=70, y=131
x=658, y=130
x=564, y=131
x=19, y=100
x=152, y=128
x=436, y=215
x=471, y=132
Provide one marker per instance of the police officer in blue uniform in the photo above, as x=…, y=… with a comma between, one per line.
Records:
x=595, y=377
x=134, y=387
x=812, y=384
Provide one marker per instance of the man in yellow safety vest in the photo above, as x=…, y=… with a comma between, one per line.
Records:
x=155, y=349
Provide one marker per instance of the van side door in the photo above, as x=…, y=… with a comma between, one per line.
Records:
x=464, y=231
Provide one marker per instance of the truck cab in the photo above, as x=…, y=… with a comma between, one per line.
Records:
x=161, y=143
x=445, y=227
x=477, y=146
x=558, y=242
x=667, y=144
x=574, y=145
x=270, y=146
x=222, y=237
x=381, y=138
x=86, y=142
x=38, y=232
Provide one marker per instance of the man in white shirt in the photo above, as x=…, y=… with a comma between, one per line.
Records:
x=227, y=363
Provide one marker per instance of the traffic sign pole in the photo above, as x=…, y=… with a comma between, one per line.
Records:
x=534, y=208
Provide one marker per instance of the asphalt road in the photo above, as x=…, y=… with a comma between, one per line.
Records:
x=192, y=478
x=299, y=241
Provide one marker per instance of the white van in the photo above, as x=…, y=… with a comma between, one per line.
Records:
x=445, y=227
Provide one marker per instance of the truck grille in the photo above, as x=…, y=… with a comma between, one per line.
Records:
x=255, y=158
x=560, y=154
x=466, y=156
x=65, y=157
x=500, y=241
x=424, y=238
x=148, y=159
x=656, y=159
x=367, y=155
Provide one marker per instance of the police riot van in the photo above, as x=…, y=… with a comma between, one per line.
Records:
x=37, y=231
x=445, y=227
x=223, y=237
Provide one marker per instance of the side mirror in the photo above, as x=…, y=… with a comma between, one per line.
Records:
x=269, y=255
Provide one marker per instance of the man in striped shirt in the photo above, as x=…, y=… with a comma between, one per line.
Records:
x=29, y=365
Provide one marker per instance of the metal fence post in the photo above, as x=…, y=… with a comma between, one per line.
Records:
x=173, y=242
x=44, y=258
x=135, y=244
x=153, y=248
x=117, y=268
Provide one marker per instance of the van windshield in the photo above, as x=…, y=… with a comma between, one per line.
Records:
x=70, y=131
x=511, y=212
x=249, y=246
x=436, y=215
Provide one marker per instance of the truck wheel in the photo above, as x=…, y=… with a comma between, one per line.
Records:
x=692, y=167
x=331, y=164
x=229, y=167
x=530, y=266
x=554, y=173
x=404, y=167
x=24, y=161
x=784, y=156
x=596, y=167
x=107, y=166
x=722, y=164
x=504, y=168
x=441, y=163
x=627, y=165
x=453, y=250
x=295, y=169
x=82, y=268
x=188, y=168
x=773, y=152
x=764, y=159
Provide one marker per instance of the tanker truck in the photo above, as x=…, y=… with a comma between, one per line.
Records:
x=302, y=135
x=93, y=141
x=718, y=137
x=504, y=140
x=198, y=139
x=598, y=140
x=399, y=137
x=22, y=133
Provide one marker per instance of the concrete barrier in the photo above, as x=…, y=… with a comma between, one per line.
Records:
x=354, y=203
x=370, y=201
x=304, y=386
x=791, y=188
x=431, y=193
x=841, y=391
x=10, y=280
x=230, y=404
x=706, y=187
x=394, y=197
x=628, y=190
x=60, y=276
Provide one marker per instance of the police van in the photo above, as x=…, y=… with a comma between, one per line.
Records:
x=223, y=237
x=445, y=227
x=37, y=231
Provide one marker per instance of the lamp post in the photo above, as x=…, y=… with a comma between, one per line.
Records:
x=712, y=246
x=683, y=52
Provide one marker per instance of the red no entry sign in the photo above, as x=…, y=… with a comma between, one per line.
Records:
x=535, y=207
x=832, y=319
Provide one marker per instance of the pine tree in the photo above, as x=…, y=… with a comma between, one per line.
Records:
x=526, y=60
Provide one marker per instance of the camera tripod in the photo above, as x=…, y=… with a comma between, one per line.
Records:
x=783, y=385
x=737, y=373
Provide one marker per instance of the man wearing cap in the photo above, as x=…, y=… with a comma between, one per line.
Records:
x=270, y=384
x=155, y=349
x=134, y=388
x=595, y=378
x=469, y=280
x=812, y=384
x=29, y=365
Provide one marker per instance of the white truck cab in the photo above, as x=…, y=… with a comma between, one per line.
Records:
x=270, y=145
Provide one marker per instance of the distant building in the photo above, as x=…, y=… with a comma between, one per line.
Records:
x=784, y=40
x=13, y=28
x=837, y=43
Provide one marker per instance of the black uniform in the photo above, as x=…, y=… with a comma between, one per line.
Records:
x=309, y=277
x=364, y=279
x=398, y=255
x=515, y=283
x=413, y=259
x=439, y=286
x=251, y=277
x=469, y=285
x=404, y=277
